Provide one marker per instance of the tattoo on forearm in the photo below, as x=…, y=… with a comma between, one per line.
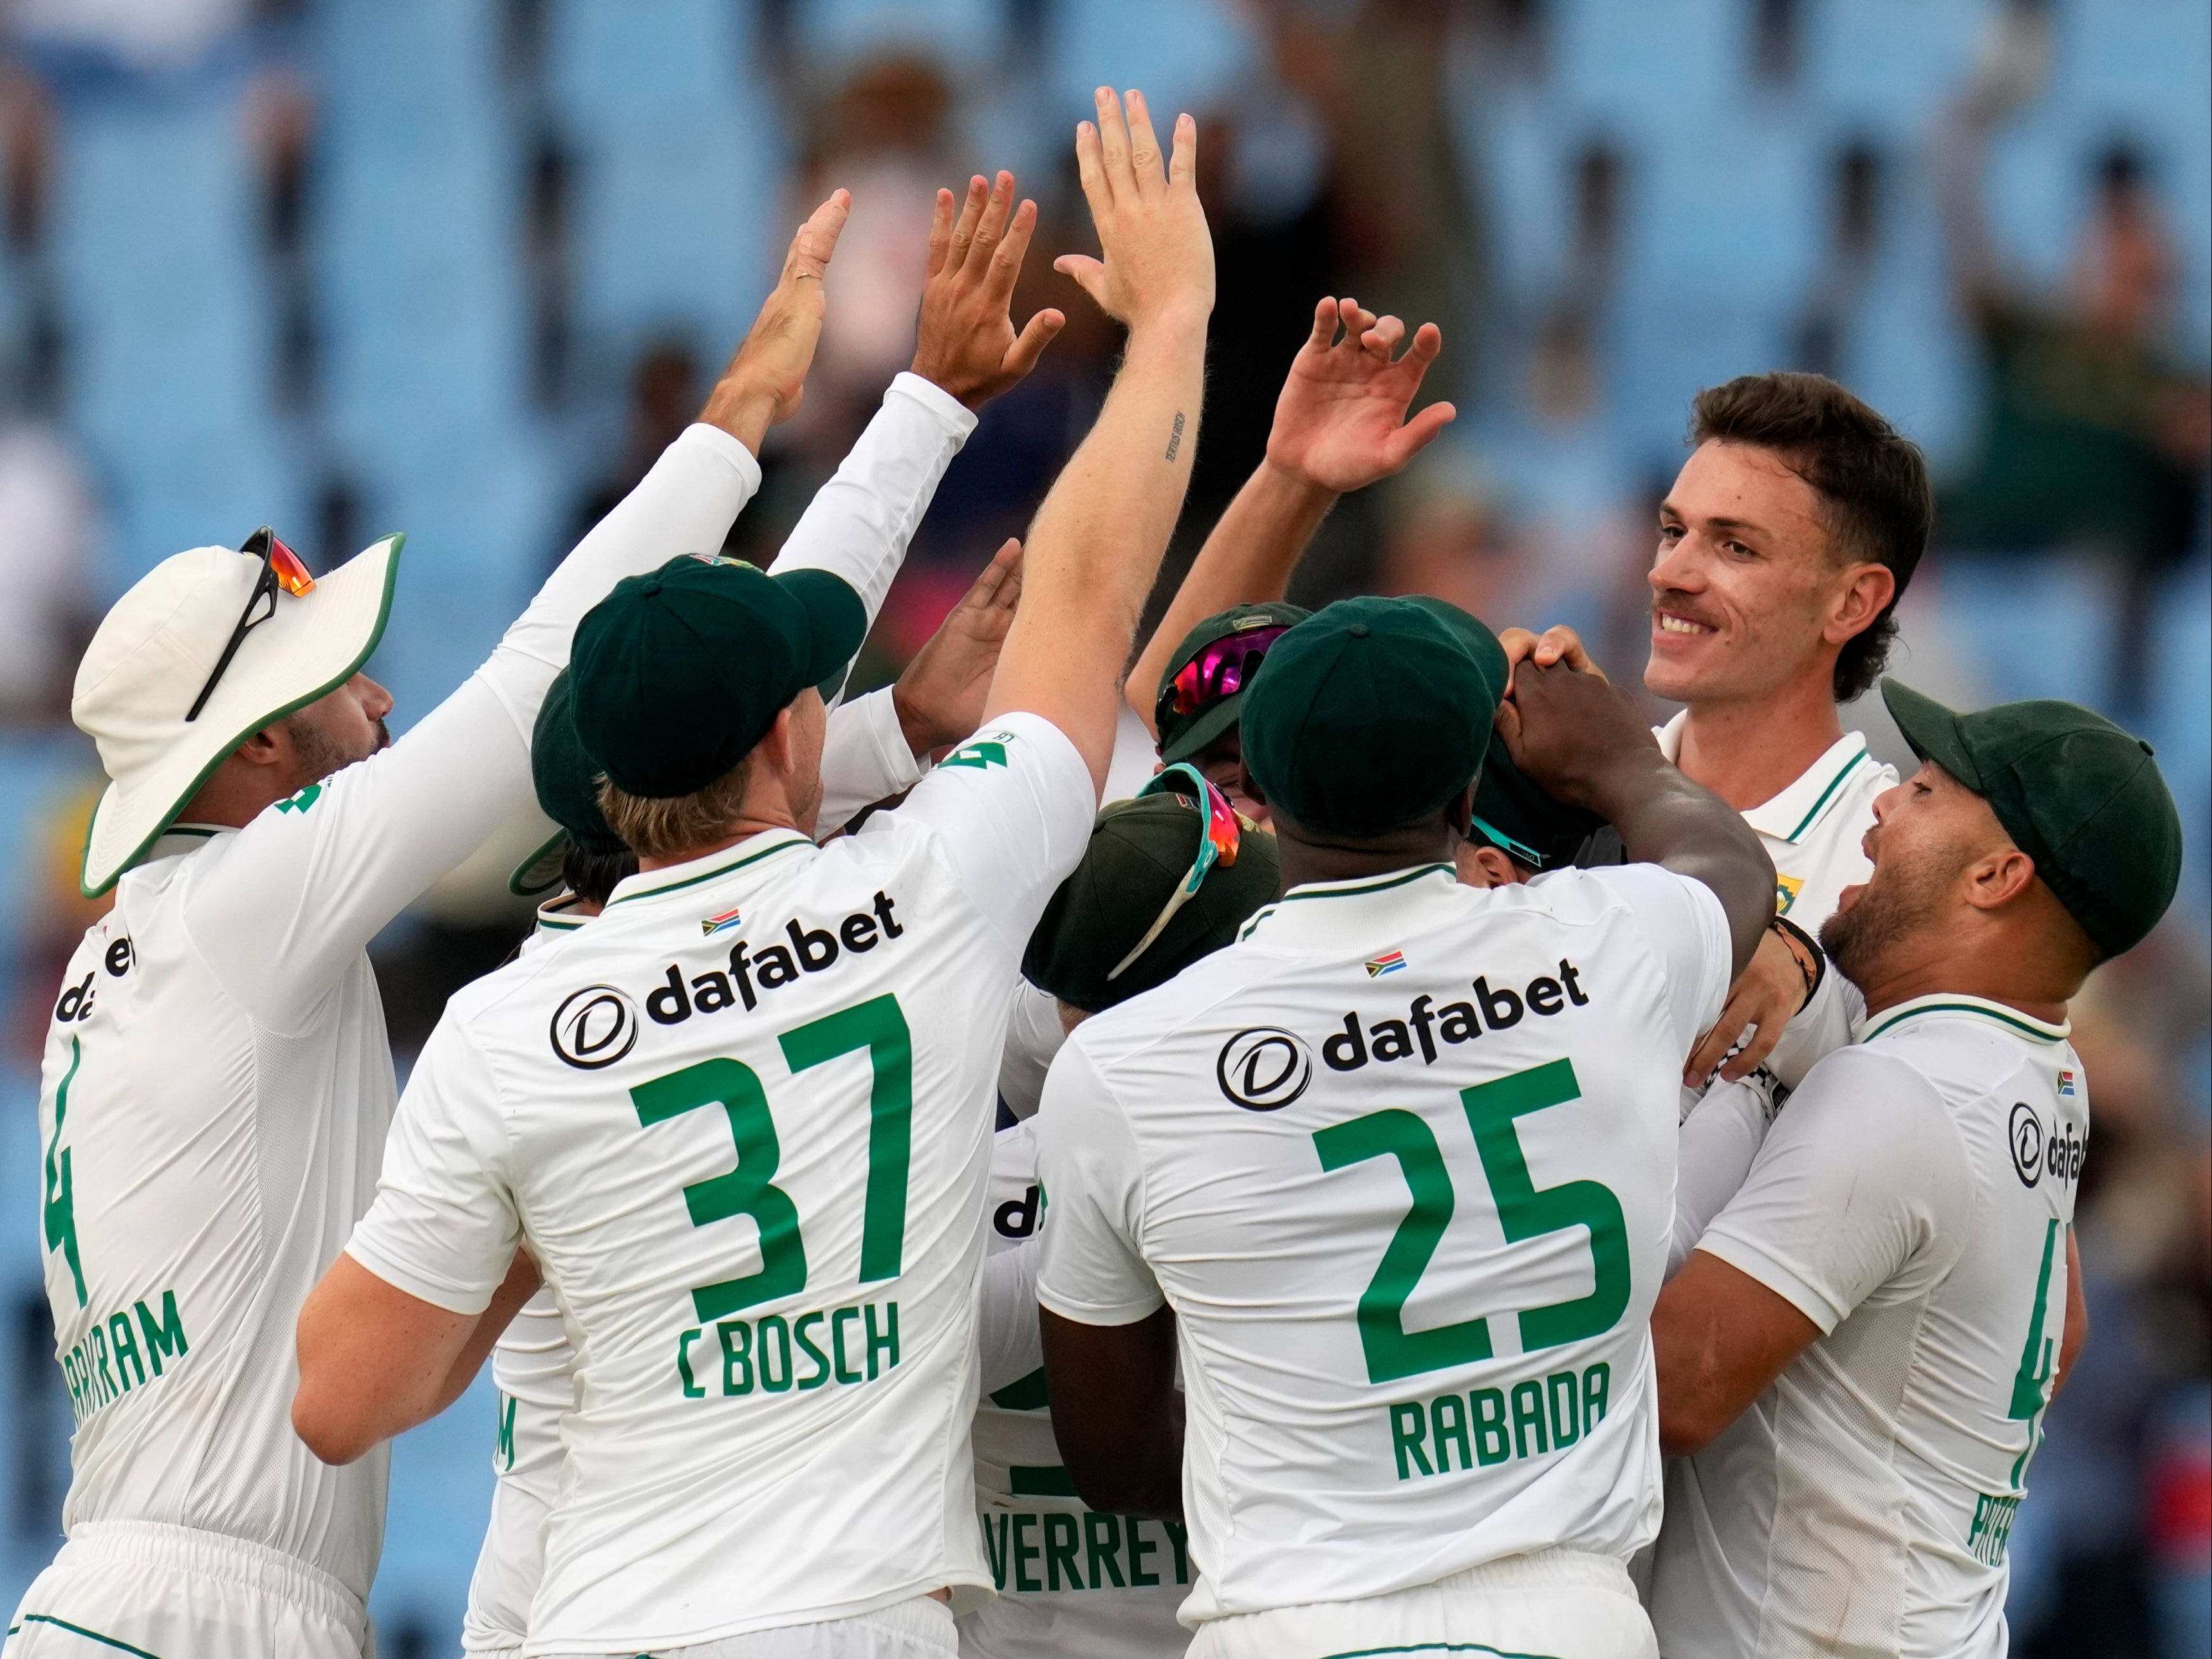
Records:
x=1175, y=438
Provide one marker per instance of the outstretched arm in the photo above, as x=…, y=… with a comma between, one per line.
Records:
x=967, y=352
x=281, y=915
x=1340, y=425
x=1095, y=547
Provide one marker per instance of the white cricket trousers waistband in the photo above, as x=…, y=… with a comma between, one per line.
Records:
x=146, y=1588
x=1554, y=1604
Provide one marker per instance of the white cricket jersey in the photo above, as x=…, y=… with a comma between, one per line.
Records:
x=1402, y=1161
x=741, y=1121
x=217, y=1083
x=1811, y=829
x=1071, y=1582
x=1913, y=1200
x=863, y=759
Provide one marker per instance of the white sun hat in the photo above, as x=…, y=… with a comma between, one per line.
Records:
x=153, y=656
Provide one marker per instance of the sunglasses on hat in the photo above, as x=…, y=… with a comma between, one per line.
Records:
x=1220, y=670
x=1218, y=836
x=280, y=567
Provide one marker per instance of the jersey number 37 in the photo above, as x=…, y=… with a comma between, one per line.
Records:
x=749, y=1190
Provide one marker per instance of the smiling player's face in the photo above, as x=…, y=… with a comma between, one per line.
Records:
x=1745, y=583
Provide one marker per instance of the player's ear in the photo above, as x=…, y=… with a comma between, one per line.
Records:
x=1999, y=877
x=1868, y=588
x=1459, y=811
x=780, y=742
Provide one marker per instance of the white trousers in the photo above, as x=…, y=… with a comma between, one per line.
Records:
x=120, y=1588
x=1557, y=1604
x=920, y=1627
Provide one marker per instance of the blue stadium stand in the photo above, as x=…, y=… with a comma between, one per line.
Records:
x=1181, y=54
x=155, y=244
x=678, y=213
x=424, y=320
x=425, y=323
x=956, y=32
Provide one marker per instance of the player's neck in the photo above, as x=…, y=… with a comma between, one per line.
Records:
x=742, y=830
x=1748, y=750
x=2002, y=971
x=1307, y=861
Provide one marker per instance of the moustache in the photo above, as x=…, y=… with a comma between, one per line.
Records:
x=1675, y=602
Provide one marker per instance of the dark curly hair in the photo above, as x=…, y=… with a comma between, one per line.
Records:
x=1871, y=480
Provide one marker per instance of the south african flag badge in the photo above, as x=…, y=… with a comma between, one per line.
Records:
x=1389, y=964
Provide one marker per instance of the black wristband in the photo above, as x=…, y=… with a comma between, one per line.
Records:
x=1791, y=930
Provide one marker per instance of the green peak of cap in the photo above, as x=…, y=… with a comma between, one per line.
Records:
x=1139, y=854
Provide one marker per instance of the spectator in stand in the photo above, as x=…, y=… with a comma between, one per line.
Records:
x=2093, y=436
x=663, y=393
x=884, y=135
x=48, y=540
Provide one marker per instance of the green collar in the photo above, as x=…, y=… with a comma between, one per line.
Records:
x=1325, y=890
x=1958, y=1006
x=678, y=876
x=1359, y=887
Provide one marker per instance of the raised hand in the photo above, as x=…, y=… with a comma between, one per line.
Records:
x=939, y=697
x=766, y=375
x=1341, y=421
x=965, y=341
x=1159, y=258
x=1569, y=730
x=1556, y=644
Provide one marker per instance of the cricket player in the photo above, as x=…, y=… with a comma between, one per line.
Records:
x=1393, y=1175
x=1858, y=1354
x=1785, y=543
x=216, y=1082
x=1167, y=878
x=937, y=700
x=740, y=1121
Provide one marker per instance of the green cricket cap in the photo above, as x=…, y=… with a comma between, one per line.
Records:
x=1139, y=853
x=568, y=786
x=1182, y=736
x=680, y=673
x=1511, y=813
x=1371, y=713
x=2076, y=793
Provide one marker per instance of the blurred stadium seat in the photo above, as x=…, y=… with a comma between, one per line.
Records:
x=157, y=245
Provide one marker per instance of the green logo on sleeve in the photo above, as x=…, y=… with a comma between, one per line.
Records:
x=303, y=801
x=59, y=1207
x=981, y=756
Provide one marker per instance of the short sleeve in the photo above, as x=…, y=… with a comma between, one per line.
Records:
x=1689, y=931
x=1858, y=1191
x=443, y=1227
x=865, y=759
x=1006, y=1327
x=1034, y=1035
x=1713, y=1153
x=1091, y=1270
x=1011, y=809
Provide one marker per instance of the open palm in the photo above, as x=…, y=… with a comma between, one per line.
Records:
x=1341, y=421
